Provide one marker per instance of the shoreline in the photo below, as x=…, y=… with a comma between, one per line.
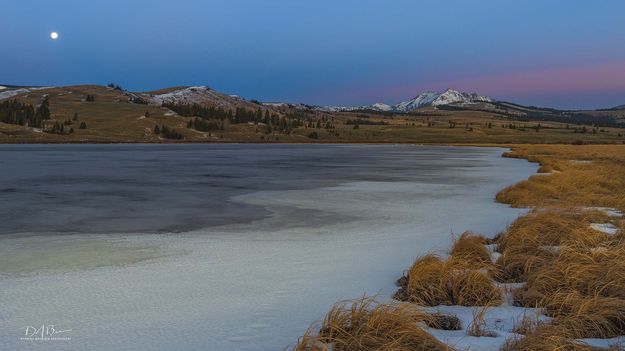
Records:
x=333, y=142
x=247, y=275
x=471, y=328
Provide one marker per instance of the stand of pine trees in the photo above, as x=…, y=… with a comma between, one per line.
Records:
x=168, y=133
x=211, y=118
x=206, y=125
x=15, y=112
x=196, y=110
x=57, y=128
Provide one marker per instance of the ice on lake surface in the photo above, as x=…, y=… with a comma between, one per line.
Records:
x=223, y=247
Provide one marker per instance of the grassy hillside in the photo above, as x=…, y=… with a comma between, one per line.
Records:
x=113, y=117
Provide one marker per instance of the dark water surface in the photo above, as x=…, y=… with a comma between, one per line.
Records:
x=174, y=188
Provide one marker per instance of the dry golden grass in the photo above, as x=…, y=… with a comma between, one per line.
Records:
x=433, y=281
x=366, y=325
x=585, y=268
x=478, y=324
x=444, y=322
x=528, y=324
x=587, y=316
x=112, y=118
x=598, y=183
x=534, y=240
x=575, y=273
x=546, y=338
x=471, y=249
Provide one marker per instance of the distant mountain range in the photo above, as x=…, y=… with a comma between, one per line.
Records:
x=429, y=98
x=96, y=113
x=205, y=96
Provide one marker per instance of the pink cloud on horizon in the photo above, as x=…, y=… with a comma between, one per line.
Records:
x=547, y=82
x=578, y=79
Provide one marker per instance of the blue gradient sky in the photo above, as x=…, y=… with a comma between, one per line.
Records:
x=559, y=53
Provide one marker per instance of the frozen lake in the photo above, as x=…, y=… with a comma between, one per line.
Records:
x=223, y=247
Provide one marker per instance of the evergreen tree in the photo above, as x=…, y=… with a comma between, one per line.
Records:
x=43, y=111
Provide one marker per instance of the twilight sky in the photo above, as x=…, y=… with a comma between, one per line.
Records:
x=567, y=54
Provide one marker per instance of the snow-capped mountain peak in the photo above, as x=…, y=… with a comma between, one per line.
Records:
x=428, y=98
x=380, y=106
x=447, y=97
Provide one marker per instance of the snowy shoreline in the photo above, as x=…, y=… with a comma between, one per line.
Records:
x=258, y=285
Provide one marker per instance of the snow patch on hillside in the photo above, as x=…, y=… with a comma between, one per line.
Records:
x=6, y=94
x=11, y=93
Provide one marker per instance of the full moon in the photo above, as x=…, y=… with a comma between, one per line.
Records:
x=54, y=35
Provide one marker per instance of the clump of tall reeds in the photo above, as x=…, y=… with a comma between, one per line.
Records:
x=464, y=278
x=365, y=324
x=470, y=248
x=534, y=240
x=587, y=316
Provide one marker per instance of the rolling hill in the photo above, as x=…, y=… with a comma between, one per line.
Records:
x=93, y=113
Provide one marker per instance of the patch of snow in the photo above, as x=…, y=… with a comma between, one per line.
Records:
x=612, y=212
x=2, y=87
x=275, y=104
x=607, y=228
x=604, y=343
x=501, y=320
x=201, y=95
x=580, y=162
x=554, y=249
x=181, y=94
x=336, y=108
x=10, y=93
x=379, y=106
x=600, y=249
x=492, y=250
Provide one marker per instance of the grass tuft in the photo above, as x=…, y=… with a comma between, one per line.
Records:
x=433, y=281
x=444, y=322
x=471, y=249
x=366, y=325
x=546, y=338
x=478, y=324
